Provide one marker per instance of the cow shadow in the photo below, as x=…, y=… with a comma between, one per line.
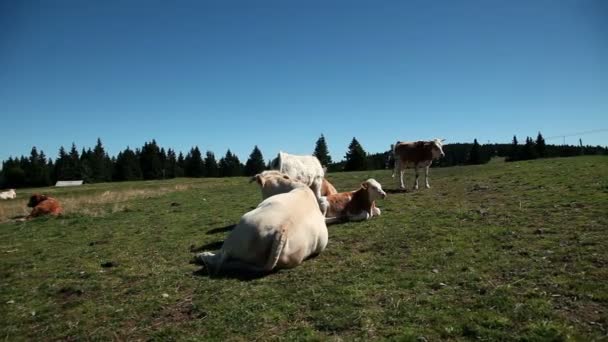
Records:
x=238, y=275
x=397, y=191
x=221, y=229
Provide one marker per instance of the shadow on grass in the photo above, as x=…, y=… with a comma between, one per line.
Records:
x=221, y=229
x=211, y=246
x=238, y=275
x=396, y=191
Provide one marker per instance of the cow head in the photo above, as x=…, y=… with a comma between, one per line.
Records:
x=273, y=182
x=374, y=189
x=35, y=199
x=437, y=148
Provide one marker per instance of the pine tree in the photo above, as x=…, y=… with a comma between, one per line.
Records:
x=540, y=146
x=230, y=166
x=171, y=164
x=149, y=159
x=194, y=163
x=181, y=166
x=514, y=154
x=211, y=167
x=529, y=150
x=100, y=164
x=321, y=151
x=127, y=166
x=474, y=154
x=356, y=158
x=255, y=163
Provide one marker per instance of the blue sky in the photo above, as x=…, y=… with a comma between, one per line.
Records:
x=277, y=74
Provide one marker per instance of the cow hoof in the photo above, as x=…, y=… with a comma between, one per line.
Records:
x=428, y=186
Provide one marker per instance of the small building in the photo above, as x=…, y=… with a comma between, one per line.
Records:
x=69, y=183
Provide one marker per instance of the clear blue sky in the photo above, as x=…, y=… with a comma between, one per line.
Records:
x=277, y=74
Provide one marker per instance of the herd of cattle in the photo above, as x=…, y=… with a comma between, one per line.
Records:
x=290, y=224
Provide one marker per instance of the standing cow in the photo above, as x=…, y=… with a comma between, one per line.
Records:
x=304, y=169
x=416, y=154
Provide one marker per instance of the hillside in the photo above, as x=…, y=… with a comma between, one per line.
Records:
x=499, y=251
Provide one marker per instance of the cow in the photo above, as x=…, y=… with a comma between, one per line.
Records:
x=416, y=154
x=43, y=205
x=8, y=194
x=327, y=188
x=280, y=233
x=273, y=182
x=355, y=205
x=305, y=169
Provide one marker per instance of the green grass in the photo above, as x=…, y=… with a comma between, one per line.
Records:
x=504, y=251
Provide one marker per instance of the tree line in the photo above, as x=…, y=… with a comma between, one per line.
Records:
x=154, y=162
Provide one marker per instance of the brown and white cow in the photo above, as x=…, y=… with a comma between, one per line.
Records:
x=327, y=188
x=281, y=232
x=43, y=205
x=355, y=205
x=416, y=154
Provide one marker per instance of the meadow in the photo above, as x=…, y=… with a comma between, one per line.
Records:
x=502, y=251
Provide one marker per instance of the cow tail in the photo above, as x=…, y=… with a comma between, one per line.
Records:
x=278, y=243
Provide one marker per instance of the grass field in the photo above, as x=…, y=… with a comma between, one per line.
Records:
x=504, y=251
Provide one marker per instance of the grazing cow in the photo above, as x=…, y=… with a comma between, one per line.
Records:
x=305, y=169
x=281, y=232
x=43, y=205
x=355, y=205
x=8, y=194
x=416, y=154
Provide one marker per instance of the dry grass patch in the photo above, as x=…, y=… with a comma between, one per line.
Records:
x=93, y=204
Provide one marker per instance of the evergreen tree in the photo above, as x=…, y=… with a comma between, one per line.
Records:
x=321, y=151
x=230, y=166
x=529, y=150
x=514, y=154
x=100, y=164
x=181, y=165
x=474, y=154
x=149, y=160
x=171, y=165
x=13, y=174
x=211, y=167
x=540, y=146
x=255, y=163
x=356, y=158
x=194, y=163
x=127, y=166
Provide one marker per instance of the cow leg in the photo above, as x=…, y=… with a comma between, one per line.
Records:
x=395, y=168
x=376, y=211
x=364, y=215
x=401, y=184
x=426, y=176
x=316, y=186
x=416, y=183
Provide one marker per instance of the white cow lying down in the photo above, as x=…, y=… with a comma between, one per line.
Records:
x=8, y=194
x=280, y=233
x=305, y=169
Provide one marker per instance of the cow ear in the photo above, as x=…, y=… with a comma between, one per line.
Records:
x=364, y=185
x=43, y=197
x=442, y=140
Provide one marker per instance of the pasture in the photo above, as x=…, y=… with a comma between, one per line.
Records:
x=503, y=251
